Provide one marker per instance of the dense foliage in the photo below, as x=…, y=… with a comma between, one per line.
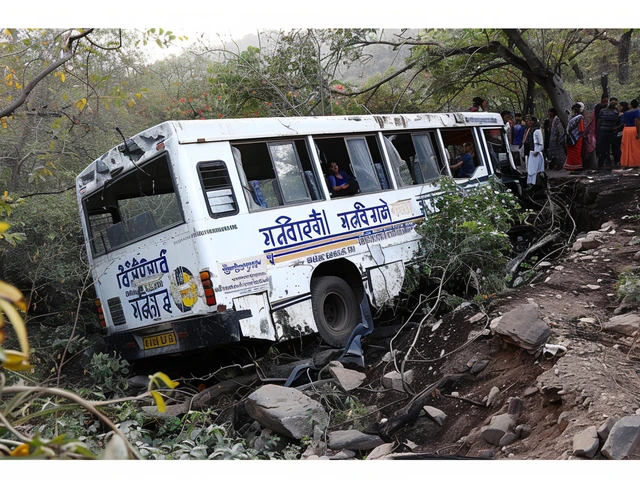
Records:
x=465, y=246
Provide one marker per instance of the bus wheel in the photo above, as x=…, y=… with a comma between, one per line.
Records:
x=335, y=309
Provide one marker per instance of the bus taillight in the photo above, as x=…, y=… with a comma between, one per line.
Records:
x=103, y=324
x=207, y=284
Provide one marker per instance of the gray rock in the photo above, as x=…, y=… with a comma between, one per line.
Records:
x=563, y=421
x=634, y=241
x=523, y=327
x=637, y=255
x=348, y=379
x=323, y=357
x=394, y=380
x=286, y=411
x=515, y=406
x=267, y=442
x=343, y=455
x=585, y=443
x=492, y=395
x=605, y=429
x=486, y=454
x=529, y=392
x=434, y=414
x=586, y=244
x=523, y=431
x=624, y=439
x=477, y=317
x=380, y=451
x=353, y=440
x=498, y=428
x=139, y=382
x=626, y=324
x=479, y=366
x=508, y=439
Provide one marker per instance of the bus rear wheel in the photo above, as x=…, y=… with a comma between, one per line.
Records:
x=335, y=309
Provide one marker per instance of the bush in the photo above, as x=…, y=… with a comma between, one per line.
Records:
x=464, y=241
x=628, y=285
x=109, y=373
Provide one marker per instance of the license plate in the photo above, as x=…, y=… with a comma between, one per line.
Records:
x=157, y=341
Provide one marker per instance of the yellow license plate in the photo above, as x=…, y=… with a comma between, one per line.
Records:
x=157, y=341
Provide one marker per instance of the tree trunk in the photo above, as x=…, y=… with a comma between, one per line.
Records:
x=604, y=81
x=560, y=98
x=623, y=57
x=528, y=100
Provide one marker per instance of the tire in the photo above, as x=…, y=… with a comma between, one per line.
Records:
x=335, y=309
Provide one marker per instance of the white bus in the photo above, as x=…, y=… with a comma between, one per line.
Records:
x=208, y=232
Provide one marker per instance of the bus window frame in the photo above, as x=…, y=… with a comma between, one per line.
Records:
x=204, y=192
x=119, y=178
x=300, y=171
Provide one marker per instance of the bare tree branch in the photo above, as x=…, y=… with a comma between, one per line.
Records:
x=68, y=49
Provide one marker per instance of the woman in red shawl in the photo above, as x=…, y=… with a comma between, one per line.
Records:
x=575, y=131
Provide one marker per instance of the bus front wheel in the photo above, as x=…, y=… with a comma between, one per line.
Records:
x=335, y=309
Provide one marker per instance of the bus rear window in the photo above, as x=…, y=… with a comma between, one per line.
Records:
x=137, y=205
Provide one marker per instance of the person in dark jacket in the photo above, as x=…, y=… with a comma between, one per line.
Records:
x=607, y=130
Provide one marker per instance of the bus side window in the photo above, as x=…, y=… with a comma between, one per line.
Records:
x=277, y=173
x=216, y=184
x=418, y=160
x=453, y=141
x=360, y=157
x=497, y=147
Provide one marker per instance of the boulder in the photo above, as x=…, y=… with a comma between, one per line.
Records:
x=585, y=443
x=626, y=324
x=563, y=421
x=624, y=439
x=478, y=366
x=605, y=429
x=353, y=440
x=394, y=380
x=515, y=406
x=343, y=455
x=380, y=451
x=286, y=411
x=508, y=439
x=492, y=395
x=523, y=327
x=523, y=431
x=499, y=426
x=434, y=414
x=587, y=243
x=348, y=379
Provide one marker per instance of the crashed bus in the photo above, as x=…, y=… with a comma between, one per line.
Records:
x=210, y=232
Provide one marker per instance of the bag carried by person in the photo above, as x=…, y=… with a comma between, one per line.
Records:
x=573, y=134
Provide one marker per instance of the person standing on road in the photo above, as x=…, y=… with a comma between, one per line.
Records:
x=574, y=134
x=607, y=128
x=535, y=161
x=556, y=153
x=518, y=134
x=630, y=156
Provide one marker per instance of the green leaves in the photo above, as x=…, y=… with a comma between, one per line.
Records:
x=464, y=245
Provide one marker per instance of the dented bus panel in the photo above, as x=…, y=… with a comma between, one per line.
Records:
x=202, y=233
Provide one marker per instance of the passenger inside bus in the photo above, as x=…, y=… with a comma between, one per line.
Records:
x=341, y=183
x=464, y=165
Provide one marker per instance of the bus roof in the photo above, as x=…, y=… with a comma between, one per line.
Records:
x=194, y=131
x=202, y=131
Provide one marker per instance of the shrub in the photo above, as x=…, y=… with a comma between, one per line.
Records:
x=109, y=372
x=464, y=241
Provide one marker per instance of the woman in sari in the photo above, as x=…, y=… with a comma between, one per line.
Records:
x=575, y=131
x=631, y=137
